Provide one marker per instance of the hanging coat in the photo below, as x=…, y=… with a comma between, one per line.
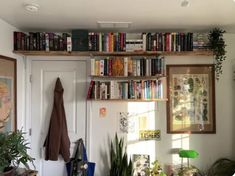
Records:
x=57, y=140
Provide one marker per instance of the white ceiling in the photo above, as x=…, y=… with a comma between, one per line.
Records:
x=145, y=15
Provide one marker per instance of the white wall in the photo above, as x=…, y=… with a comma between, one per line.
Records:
x=209, y=146
x=6, y=48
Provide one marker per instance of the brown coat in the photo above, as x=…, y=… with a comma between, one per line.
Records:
x=57, y=140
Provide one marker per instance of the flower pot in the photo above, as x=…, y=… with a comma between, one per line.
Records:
x=9, y=172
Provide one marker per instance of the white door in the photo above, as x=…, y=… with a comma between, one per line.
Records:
x=73, y=78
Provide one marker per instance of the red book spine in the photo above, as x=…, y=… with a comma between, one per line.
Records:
x=167, y=42
x=121, y=41
x=89, y=93
x=110, y=67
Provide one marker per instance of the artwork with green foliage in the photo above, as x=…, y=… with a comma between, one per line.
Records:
x=119, y=160
x=217, y=45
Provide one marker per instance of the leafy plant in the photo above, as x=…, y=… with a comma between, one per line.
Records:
x=189, y=170
x=222, y=167
x=119, y=159
x=217, y=45
x=155, y=170
x=13, y=150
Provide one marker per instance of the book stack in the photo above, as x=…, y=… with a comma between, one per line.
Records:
x=134, y=42
x=200, y=41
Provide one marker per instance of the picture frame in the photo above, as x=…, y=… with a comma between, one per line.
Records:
x=191, y=99
x=8, y=112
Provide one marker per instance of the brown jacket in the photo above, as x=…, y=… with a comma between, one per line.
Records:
x=57, y=140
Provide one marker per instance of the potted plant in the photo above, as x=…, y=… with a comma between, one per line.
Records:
x=155, y=170
x=222, y=167
x=13, y=151
x=217, y=45
x=118, y=159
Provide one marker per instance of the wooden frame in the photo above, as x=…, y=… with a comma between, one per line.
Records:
x=191, y=99
x=8, y=120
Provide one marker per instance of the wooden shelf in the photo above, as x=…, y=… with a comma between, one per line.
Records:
x=128, y=77
x=129, y=100
x=93, y=53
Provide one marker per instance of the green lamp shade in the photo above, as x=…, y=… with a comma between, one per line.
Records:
x=188, y=154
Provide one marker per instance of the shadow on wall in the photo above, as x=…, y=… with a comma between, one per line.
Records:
x=104, y=154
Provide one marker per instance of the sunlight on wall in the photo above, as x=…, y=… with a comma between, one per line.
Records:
x=179, y=141
x=143, y=116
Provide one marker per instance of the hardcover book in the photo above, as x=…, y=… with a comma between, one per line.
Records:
x=117, y=66
x=79, y=40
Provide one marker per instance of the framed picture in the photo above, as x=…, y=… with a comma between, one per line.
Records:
x=191, y=99
x=7, y=94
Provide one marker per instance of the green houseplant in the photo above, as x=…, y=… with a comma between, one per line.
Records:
x=217, y=45
x=155, y=170
x=222, y=167
x=13, y=151
x=119, y=159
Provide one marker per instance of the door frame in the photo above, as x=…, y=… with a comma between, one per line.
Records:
x=28, y=94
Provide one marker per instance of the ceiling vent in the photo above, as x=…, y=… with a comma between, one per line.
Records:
x=113, y=24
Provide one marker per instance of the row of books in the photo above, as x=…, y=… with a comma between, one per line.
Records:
x=175, y=41
x=108, y=42
x=42, y=41
x=133, y=89
x=168, y=41
x=128, y=66
x=82, y=40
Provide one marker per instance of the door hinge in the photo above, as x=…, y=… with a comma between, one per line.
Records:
x=30, y=78
x=30, y=131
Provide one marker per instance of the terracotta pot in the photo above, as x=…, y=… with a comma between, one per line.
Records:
x=10, y=172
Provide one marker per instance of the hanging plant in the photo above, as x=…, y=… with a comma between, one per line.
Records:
x=217, y=45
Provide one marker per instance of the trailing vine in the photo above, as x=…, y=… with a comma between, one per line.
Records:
x=217, y=45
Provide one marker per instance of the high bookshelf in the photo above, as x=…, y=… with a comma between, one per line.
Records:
x=84, y=43
x=133, y=53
